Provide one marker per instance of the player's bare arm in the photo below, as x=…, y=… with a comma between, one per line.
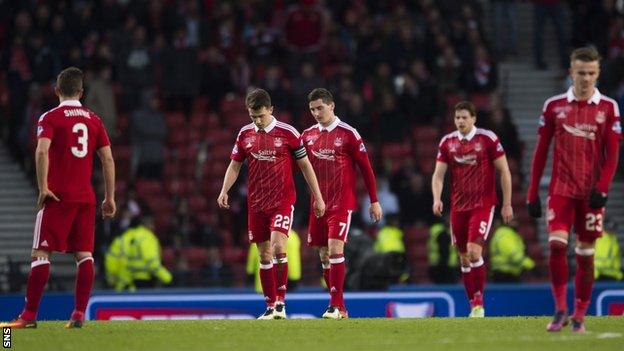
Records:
x=231, y=174
x=437, y=184
x=505, y=175
x=42, y=160
x=308, y=173
x=108, y=167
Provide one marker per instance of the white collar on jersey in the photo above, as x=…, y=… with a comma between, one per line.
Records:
x=269, y=127
x=70, y=103
x=595, y=99
x=468, y=136
x=330, y=127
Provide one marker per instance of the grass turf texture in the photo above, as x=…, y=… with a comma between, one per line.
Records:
x=518, y=333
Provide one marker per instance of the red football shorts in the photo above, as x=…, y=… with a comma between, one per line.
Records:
x=333, y=225
x=261, y=224
x=65, y=227
x=563, y=212
x=471, y=226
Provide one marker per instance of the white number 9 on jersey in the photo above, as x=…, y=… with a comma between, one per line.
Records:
x=83, y=139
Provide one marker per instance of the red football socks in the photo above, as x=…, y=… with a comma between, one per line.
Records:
x=282, y=275
x=558, y=267
x=37, y=280
x=326, y=268
x=84, y=283
x=336, y=280
x=583, y=282
x=267, y=279
x=466, y=274
x=478, y=277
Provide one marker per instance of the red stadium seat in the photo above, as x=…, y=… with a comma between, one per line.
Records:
x=175, y=120
x=147, y=188
x=481, y=101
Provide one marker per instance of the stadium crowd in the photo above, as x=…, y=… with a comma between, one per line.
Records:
x=168, y=79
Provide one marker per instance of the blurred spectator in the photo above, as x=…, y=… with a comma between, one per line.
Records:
x=413, y=194
x=442, y=255
x=483, y=73
x=304, y=27
x=135, y=71
x=504, y=14
x=149, y=133
x=100, y=97
x=179, y=72
x=387, y=199
x=608, y=257
x=499, y=121
x=507, y=255
x=553, y=10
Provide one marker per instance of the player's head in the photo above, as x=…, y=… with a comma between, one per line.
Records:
x=465, y=116
x=584, y=70
x=69, y=83
x=321, y=103
x=258, y=104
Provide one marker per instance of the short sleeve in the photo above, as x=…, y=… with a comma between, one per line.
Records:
x=442, y=153
x=102, y=138
x=45, y=128
x=238, y=151
x=495, y=149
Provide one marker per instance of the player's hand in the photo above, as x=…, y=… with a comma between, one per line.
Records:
x=535, y=208
x=597, y=200
x=507, y=213
x=319, y=207
x=108, y=208
x=375, y=212
x=222, y=200
x=44, y=195
x=437, y=208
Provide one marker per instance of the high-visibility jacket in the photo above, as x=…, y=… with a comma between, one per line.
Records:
x=389, y=239
x=507, y=252
x=135, y=255
x=293, y=251
x=607, y=257
x=433, y=251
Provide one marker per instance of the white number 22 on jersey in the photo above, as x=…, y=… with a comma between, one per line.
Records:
x=282, y=222
x=83, y=139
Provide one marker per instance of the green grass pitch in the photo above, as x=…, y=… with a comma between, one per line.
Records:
x=518, y=333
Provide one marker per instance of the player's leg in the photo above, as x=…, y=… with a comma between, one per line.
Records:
x=479, y=227
x=560, y=212
x=459, y=236
x=80, y=241
x=280, y=225
x=588, y=225
x=259, y=233
x=338, y=231
x=323, y=252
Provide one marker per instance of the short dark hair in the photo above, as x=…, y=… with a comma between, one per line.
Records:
x=69, y=81
x=321, y=93
x=585, y=54
x=257, y=99
x=468, y=106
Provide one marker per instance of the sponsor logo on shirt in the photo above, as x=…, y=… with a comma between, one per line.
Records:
x=278, y=142
x=600, y=117
x=324, y=154
x=470, y=160
x=584, y=130
x=265, y=155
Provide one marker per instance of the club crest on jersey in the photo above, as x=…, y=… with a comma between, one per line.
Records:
x=278, y=142
x=478, y=147
x=338, y=142
x=600, y=117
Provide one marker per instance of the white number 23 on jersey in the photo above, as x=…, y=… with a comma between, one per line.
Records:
x=83, y=139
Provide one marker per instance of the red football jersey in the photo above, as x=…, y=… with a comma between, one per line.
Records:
x=470, y=159
x=269, y=154
x=334, y=151
x=76, y=133
x=583, y=131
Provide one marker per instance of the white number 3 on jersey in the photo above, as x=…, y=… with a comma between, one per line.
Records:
x=83, y=139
